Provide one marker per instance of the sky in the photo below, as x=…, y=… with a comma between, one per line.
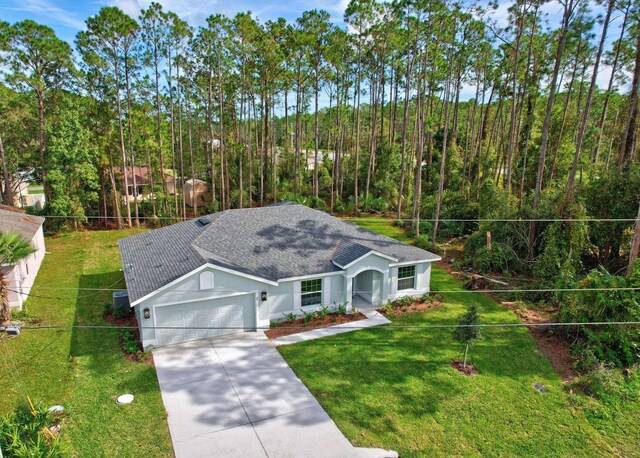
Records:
x=67, y=17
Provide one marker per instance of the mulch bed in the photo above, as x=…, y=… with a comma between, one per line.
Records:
x=417, y=306
x=131, y=322
x=469, y=371
x=286, y=328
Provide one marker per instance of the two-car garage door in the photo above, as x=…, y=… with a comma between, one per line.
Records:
x=203, y=319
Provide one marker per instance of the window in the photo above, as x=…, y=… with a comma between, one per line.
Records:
x=206, y=280
x=311, y=292
x=406, y=277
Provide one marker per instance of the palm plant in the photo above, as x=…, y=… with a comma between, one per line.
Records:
x=13, y=249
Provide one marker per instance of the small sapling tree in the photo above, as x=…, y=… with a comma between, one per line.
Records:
x=467, y=332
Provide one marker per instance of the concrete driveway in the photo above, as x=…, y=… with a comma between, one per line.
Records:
x=235, y=396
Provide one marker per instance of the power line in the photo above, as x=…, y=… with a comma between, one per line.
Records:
x=308, y=328
x=433, y=292
x=373, y=220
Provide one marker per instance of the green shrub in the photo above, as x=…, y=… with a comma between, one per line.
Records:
x=609, y=384
x=387, y=307
x=120, y=311
x=308, y=316
x=317, y=203
x=130, y=345
x=323, y=312
x=341, y=308
x=23, y=432
x=500, y=258
x=425, y=242
x=290, y=316
x=455, y=205
x=604, y=301
x=373, y=204
x=404, y=301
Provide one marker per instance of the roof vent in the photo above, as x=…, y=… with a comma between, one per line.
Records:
x=203, y=221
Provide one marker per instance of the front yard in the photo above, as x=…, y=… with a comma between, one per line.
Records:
x=83, y=369
x=384, y=387
x=395, y=388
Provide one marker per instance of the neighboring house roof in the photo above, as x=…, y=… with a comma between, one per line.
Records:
x=195, y=182
x=141, y=173
x=14, y=220
x=274, y=242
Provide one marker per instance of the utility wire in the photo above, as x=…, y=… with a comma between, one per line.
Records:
x=463, y=291
x=372, y=221
x=264, y=328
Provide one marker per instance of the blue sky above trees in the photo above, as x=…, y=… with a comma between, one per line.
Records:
x=67, y=17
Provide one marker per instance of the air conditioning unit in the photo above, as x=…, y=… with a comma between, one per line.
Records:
x=121, y=305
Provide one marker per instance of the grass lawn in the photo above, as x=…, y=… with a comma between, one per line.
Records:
x=83, y=369
x=395, y=388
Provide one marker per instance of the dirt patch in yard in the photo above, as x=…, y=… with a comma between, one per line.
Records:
x=469, y=370
x=559, y=353
x=557, y=350
x=286, y=328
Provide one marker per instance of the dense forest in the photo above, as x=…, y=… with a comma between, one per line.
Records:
x=535, y=174
x=364, y=118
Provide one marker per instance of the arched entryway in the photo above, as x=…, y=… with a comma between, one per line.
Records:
x=366, y=288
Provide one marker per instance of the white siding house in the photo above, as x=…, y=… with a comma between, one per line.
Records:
x=239, y=270
x=21, y=276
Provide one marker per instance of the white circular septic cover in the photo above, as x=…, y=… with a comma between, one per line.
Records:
x=125, y=399
x=56, y=408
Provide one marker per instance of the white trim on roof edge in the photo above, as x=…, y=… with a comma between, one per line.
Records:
x=318, y=275
x=368, y=253
x=410, y=263
x=195, y=271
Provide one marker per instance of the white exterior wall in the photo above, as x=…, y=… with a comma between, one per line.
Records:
x=375, y=280
x=422, y=282
x=22, y=275
x=286, y=296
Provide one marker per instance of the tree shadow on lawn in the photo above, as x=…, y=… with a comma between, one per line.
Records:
x=375, y=362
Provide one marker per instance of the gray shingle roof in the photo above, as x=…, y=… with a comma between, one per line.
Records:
x=349, y=251
x=272, y=242
x=16, y=221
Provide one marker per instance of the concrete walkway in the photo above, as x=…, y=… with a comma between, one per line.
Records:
x=236, y=396
x=374, y=318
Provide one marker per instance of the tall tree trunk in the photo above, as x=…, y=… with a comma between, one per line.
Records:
x=631, y=131
x=316, y=139
x=607, y=97
x=403, y=140
x=130, y=125
x=442, y=162
x=587, y=108
x=163, y=178
x=41, y=143
x=514, y=88
x=635, y=245
x=123, y=149
x=569, y=8
x=8, y=186
x=357, y=145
